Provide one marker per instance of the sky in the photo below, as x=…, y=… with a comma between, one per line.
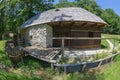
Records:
x=113, y=4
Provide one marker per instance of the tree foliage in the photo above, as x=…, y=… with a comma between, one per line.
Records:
x=113, y=21
x=13, y=13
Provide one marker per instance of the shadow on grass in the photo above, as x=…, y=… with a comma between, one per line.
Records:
x=2, y=52
x=103, y=47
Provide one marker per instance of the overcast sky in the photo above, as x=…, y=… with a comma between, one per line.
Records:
x=113, y=4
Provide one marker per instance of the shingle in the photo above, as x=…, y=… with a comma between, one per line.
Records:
x=63, y=14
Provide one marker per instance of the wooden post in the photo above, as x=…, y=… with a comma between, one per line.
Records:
x=113, y=45
x=100, y=63
x=52, y=66
x=18, y=38
x=65, y=69
x=62, y=47
x=83, y=68
x=112, y=58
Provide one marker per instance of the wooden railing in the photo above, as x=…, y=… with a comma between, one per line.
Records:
x=69, y=68
x=81, y=38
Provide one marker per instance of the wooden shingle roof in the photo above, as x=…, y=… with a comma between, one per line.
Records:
x=63, y=14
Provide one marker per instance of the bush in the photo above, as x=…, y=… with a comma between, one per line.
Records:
x=101, y=55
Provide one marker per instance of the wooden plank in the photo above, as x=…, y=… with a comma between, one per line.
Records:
x=85, y=30
x=81, y=38
x=52, y=54
x=86, y=46
x=62, y=48
x=45, y=54
x=40, y=58
x=83, y=42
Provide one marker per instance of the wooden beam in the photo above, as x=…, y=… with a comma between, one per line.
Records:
x=53, y=24
x=67, y=23
x=80, y=23
x=72, y=25
x=86, y=30
x=100, y=25
x=81, y=38
x=60, y=23
x=92, y=24
x=85, y=26
x=62, y=48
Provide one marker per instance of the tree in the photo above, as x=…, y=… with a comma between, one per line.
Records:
x=113, y=21
x=13, y=13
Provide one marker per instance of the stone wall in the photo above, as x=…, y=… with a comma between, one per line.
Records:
x=40, y=35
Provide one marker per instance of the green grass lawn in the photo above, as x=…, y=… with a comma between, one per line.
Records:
x=2, y=45
x=113, y=72
x=3, y=57
x=117, y=40
x=105, y=45
x=33, y=70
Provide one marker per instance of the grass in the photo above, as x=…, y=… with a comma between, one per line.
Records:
x=112, y=73
x=117, y=41
x=101, y=55
x=12, y=76
x=105, y=45
x=2, y=45
x=3, y=57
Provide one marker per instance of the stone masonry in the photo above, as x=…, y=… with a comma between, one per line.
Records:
x=40, y=35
